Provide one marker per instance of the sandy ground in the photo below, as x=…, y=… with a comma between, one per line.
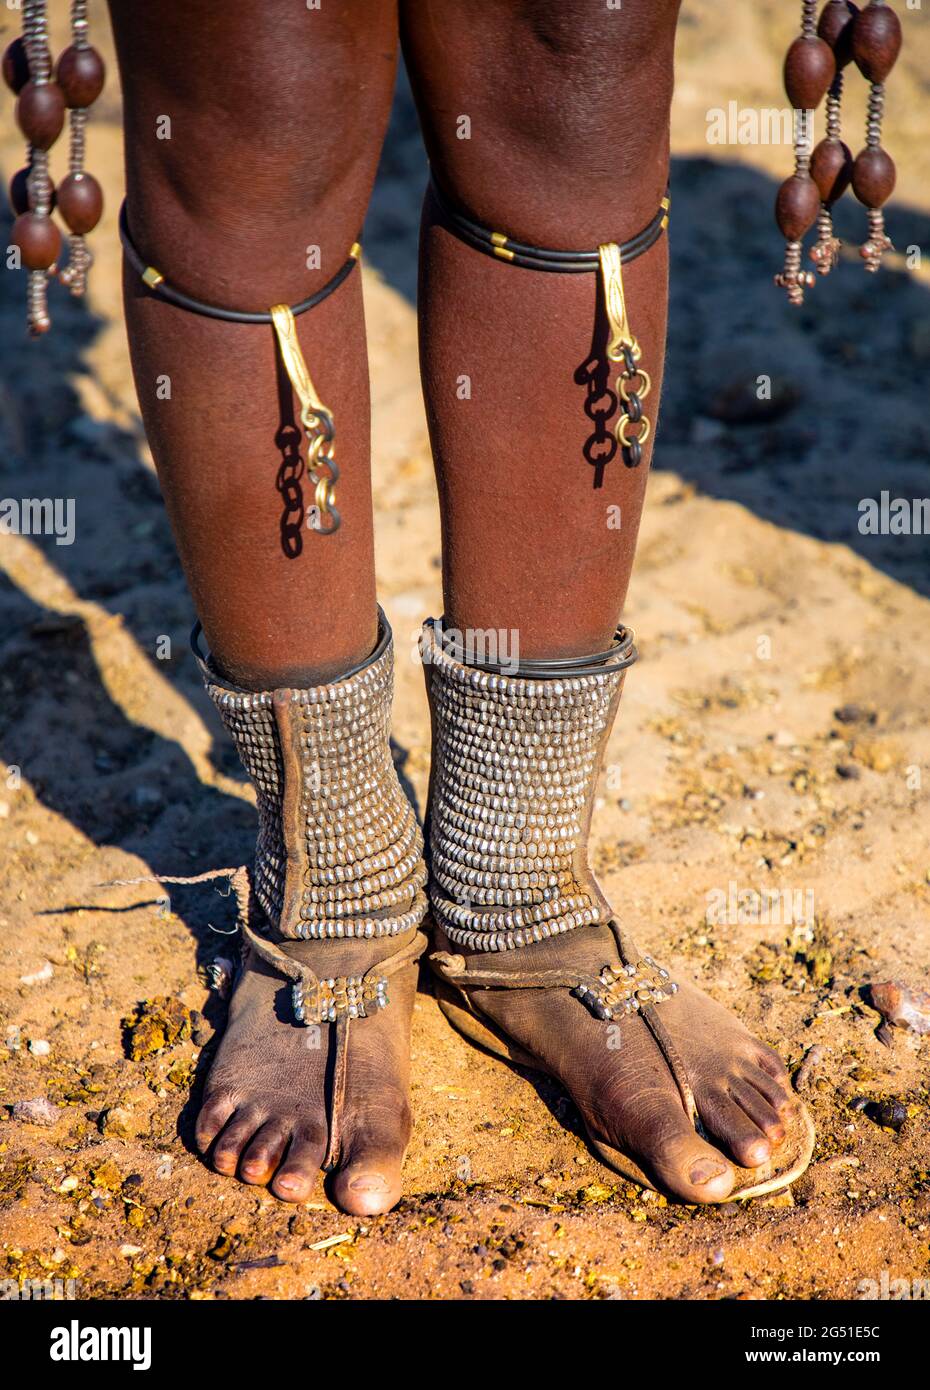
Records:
x=772, y=737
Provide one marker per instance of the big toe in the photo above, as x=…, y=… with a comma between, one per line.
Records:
x=368, y=1180
x=681, y=1161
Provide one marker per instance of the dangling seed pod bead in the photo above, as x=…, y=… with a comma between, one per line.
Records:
x=80, y=74
x=831, y=161
x=876, y=42
x=40, y=115
x=809, y=70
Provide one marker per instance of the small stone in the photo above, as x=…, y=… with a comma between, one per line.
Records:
x=40, y=1111
x=39, y=1047
x=890, y=1114
x=901, y=1006
x=848, y=771
x=118, y=1123
x=853, y=714
x=39, y=976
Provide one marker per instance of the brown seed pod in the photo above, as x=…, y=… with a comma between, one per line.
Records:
x=835, y=28
x=873, y=177
x=796, y=206
x=80, y=202
x=809, y=69
x=16, y=66
x=38, y=239
x=40, y=113
x=19, y=191
x=876, y=41
x=831, y=169
x=80, y=75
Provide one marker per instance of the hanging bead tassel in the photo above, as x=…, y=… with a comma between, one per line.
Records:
x=809, y=70
x=876, y=42
x=871, y=38
x=831, y=161
x=40, y=113
x=80, y=74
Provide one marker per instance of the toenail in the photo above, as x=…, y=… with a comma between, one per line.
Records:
x=705, y=1169
x=368, y=1182
x=290, y=1184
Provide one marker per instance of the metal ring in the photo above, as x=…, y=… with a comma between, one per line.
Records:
x=620, y=431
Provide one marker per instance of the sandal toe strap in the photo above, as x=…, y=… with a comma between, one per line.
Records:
x=618, y=990
x=327, y=1000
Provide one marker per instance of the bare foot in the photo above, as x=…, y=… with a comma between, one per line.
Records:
x=620, y=1080
x=267, y=1108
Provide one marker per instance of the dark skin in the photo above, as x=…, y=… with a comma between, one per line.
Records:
x=561, y=153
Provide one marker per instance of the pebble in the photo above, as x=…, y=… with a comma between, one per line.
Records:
x=40, y=976
x=39, y=1111
x=117, y=1122
x=853, y=714
x=890, y=1114
x=902, y=1006
x=39, y=1047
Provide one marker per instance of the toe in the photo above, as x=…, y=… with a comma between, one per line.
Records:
x=736, y=1130
x=770, y=1063
x=675, y=1153
x=777, y=1091
x=233, y=1139
x=759, y=1109
x=297, y=1176
x=264, y=1153
x=369, y=1176
x=214, y=1113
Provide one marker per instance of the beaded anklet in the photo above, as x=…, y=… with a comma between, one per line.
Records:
x=316, y=418
x=634, y=383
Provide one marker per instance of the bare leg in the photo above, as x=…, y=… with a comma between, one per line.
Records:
x=276, y=116
x=568, y=108
x=275, y=130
